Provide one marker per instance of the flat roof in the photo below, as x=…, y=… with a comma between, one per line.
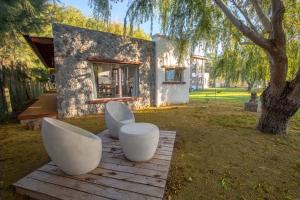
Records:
x=43, y=48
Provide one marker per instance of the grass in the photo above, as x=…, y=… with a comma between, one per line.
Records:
x=237, y=95
x=218, y=153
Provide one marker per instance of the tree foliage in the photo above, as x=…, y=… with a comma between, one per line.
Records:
x=242, y=64
x=72, y=16
x=20, y=16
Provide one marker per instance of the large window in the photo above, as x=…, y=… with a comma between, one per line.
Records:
x=115, y=80
x=174, y=74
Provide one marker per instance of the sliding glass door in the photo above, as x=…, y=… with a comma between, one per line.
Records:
x=115, y=80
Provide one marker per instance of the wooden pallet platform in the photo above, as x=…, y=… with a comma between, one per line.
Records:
x=114, y=178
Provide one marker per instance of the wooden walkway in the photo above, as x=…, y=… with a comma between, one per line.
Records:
x=45, y=106
x=115, y=177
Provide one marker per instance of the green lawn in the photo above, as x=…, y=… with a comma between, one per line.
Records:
x=218, y=153
x=238, y=95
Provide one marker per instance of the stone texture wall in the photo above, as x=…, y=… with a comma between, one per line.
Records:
x=74, y=81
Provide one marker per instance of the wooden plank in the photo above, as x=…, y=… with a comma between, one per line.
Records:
x=34, y=195
x=110, y=182
x=117, y=175
x=45, y=106
x=130, y=177
x=159, y=147
x=169, y=133
x=161, y=144
x=121, y=156
x=88, y=183
x=119, y=150
x=144, y=165
x=156, y=156
x=51, y=191
x=134, y=170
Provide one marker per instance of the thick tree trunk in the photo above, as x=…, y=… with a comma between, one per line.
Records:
x=276, y=110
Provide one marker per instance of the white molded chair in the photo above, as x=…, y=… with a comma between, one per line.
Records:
x=74, y=150
x=116, y=115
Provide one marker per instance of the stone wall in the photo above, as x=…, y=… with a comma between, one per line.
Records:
x=74, y=81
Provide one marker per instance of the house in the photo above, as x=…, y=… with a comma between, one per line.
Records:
x=199, y=77
x=93, y=67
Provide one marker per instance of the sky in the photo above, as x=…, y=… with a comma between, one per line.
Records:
x=117, y=14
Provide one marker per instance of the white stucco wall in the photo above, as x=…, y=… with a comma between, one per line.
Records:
x=199, y=78
x=166, y=54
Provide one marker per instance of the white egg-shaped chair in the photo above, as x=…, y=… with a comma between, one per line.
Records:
x=74, y=150
x=116, y=115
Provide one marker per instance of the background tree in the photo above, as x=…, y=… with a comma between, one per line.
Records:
x=259, y=22
x=241, y=64
x=55, y=13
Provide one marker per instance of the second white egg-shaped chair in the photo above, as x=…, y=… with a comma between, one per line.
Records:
x=116, y=115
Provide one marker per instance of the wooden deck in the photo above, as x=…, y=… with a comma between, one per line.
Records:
x=114, y=178
x=45, y=106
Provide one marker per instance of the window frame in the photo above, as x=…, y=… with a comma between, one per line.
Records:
x=121, y=69
x=177, y=79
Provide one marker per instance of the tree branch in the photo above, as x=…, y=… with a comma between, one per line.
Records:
x=245, y=14
x=262, y=17
x=246, y=31
x=278, y=34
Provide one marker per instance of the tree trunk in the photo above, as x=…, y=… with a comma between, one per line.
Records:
x=250, y=86
x=276, y=110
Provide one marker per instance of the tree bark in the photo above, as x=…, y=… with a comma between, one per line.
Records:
x=277, y=110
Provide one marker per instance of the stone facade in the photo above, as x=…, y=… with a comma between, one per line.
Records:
x=74, y=79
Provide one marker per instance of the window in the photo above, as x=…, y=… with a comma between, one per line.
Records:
x=114, y=80
x=174, y=74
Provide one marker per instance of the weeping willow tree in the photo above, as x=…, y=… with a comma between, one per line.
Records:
x=242, y=64
x=259, y=22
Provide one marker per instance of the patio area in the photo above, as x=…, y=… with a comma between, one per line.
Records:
x=114, y=178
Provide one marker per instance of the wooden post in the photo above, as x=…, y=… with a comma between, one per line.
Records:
x=6, y=95
x=120, y=80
